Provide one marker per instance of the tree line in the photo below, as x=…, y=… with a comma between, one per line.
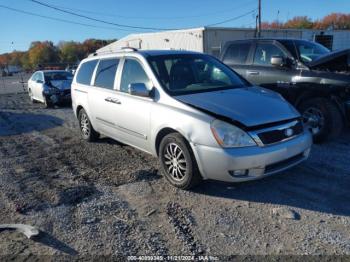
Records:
x=45, y=53
x=333, y=21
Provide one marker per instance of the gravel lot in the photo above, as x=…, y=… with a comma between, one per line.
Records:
x=106, y=198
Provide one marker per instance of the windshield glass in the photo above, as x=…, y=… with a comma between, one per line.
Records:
x=310, y=51
x=190, y=73
x=54, y=76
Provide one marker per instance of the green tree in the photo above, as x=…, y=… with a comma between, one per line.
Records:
x=71, y=52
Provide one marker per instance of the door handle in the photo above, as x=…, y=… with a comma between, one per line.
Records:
x=113, y=100
x=253, y=73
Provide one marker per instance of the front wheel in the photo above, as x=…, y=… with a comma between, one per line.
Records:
x=87, y=131
x=177, y=162
x=323, y=118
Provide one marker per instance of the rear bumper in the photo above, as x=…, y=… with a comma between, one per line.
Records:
x=252, y=162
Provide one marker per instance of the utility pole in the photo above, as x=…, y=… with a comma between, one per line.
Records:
x=259, y=19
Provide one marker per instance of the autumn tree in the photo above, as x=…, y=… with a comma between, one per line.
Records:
x=334, y=21
x=42, y=53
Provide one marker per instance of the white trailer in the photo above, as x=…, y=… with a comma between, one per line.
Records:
x=210, y=40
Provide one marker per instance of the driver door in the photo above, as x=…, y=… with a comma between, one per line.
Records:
x=263, y=73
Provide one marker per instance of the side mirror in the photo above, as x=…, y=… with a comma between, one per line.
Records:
x=40, y=81
x=277, y=61
x=138, y=89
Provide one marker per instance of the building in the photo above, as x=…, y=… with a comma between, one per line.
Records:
x=210, y=40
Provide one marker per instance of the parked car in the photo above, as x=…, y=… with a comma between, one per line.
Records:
x=194, y=113
x=50, y=87
x=313, y=79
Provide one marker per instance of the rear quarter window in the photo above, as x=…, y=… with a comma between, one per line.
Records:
x=85, y=72
x=237, y=53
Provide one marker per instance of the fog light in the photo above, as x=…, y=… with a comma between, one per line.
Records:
x=239, y=173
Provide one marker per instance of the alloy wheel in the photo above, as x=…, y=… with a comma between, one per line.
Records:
x=175, y=161
x=85, y=125
x=314, y=119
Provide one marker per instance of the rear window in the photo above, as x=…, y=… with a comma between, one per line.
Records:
x=237, y=53
x=85, y=72
x=106, y=73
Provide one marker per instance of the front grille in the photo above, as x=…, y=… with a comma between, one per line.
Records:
x=279, y=133
x=66, y=92
x=283, y=164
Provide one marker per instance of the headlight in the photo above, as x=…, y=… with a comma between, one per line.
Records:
x=229, y=135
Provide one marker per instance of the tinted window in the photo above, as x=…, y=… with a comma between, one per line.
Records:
x=187, y=73
x=237, y=53
x=105, y=73
x=133, y=73
x=85, y=72
x=264, y=52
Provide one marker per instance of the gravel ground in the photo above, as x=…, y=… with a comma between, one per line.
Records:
x=106, y=198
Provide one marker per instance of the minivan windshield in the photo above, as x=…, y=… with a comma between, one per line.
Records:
x=182, y=74
x=310, y=51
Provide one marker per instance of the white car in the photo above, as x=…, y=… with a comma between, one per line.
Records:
x=50, y=87
x=201, y=119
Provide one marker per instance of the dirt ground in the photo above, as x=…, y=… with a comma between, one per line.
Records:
x=106, y=198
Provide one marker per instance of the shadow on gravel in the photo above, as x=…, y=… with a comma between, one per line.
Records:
x=301, y=187
x=50, y=241
x=19, y=123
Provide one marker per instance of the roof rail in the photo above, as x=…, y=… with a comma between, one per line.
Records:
x=127, y=48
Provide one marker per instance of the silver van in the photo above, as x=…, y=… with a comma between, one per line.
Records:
x=201, y=119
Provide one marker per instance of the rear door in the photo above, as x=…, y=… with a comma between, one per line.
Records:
x=262, y=73
x=236, y=55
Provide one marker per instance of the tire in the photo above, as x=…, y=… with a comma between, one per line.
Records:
x=323, y=118
x=181, y=170
x=30, y=93
x=47, y=103
x=87, y=131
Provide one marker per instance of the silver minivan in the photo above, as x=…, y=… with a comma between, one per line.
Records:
x=201, y=119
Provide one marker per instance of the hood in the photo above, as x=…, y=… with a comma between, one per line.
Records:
x=333, y=61
x=61, y=84
x=250, y=106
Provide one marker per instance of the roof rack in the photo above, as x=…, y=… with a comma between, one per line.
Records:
x=127, y=48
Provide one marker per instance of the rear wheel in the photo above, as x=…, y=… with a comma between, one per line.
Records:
x=177, y=162
x=323, y=118
x=87, y=131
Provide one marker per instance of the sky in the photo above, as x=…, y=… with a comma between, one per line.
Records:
x=18, y=30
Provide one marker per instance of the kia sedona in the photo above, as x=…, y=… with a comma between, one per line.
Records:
x=192, y=112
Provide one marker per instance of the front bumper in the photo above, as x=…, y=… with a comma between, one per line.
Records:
x=59, y=97
x=252, y=162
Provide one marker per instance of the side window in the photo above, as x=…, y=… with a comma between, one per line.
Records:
x=35, y=76
x=85, y=72
x=133, y=73
x=40, y=77
x=264, y=52
x=237, y=53
x=105, y=73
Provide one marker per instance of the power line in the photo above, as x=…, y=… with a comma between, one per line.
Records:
x=99, y=20
x=128, y=26
x=60, y=20
x=233, y=19
x=154, y=17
